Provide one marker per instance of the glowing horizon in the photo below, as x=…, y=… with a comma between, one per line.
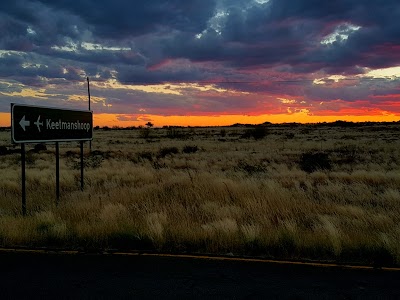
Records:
x=112, y=120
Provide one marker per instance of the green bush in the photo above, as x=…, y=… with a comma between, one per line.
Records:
x=222, y=132
x=3, y=150
x=145, y=155
x=248, y=168
x=167, y=151
x=311, y=162
x=190, y=149
x=258, y=133
x=175, y=133
x=144, y=133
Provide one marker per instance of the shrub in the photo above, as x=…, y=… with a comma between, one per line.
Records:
x=290, y=135
x=158, y=165
x=223, y=132
x=70, y=153
x=145, y=133
x=39, y=147
x=167, y=151
x=175, y=133
x=250, y=169
x=258, y=133
x=310, y=162
x=145, y=155
x=305, y=131
x=190, y=149
x=348, y=154
x=92, y=161
x=3, y=150
x=30, y=158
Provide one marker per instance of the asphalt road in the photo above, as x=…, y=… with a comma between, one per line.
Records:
x=78, y=276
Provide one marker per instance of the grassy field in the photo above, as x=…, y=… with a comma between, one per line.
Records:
x=325, y=192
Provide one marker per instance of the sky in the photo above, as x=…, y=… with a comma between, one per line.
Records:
x=203, y=62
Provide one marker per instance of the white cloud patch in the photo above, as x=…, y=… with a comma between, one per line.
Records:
x=99, y=47
x=30, y=31
x=393, y=72
x=30, y=65
x=335, y=78
x=341, y=33
x=287, y=101
x=216, y=23
x=69, y=47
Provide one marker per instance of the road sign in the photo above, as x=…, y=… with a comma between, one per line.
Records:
x=30, y=124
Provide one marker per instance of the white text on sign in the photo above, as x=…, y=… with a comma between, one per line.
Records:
x=60, y=125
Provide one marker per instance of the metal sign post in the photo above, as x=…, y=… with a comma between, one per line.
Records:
x=30, y=124
x=23, y=179
x=88, y=90
x=82, y=166
x=57, y=173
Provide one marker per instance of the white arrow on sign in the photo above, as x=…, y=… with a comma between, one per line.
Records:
x=24, y=123
x=38, y=123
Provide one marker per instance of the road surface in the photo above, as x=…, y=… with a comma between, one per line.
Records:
x=83, y=276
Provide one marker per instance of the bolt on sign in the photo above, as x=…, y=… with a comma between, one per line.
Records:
x=31, y=124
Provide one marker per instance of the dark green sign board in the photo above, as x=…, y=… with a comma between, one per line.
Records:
x=30, y=124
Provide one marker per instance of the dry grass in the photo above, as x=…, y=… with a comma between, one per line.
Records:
x=228, y=194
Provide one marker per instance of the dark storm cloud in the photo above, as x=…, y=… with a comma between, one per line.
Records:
x=64, y=25
x=123, y=18
x=290, y=32
x=35, y=25
x=244, y=34
x=378, y=27
x=366, y=88
x=140, y=75
x=33, y=69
